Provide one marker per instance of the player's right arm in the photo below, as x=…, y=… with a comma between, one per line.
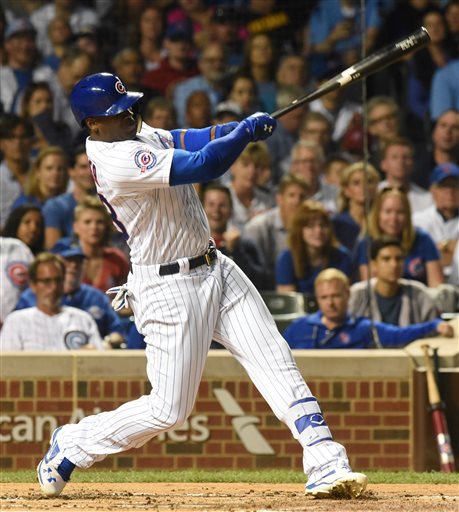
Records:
x=217, y=156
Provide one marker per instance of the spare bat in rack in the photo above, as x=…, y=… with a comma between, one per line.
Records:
x=437, y=408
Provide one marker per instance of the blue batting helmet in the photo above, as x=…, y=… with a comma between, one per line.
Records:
x=101, y=94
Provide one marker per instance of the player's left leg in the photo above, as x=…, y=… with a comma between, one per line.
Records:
x=177, y=314
x=247, y=329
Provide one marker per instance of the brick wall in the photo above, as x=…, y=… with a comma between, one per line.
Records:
x=370, y=416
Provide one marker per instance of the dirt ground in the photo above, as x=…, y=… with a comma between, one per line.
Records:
x=201, y=497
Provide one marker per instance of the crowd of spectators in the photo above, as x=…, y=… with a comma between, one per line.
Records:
x=354, y=180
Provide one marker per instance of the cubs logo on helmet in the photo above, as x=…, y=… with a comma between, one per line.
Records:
x=120, y=87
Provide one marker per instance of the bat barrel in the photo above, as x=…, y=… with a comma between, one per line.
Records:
x=374, y=62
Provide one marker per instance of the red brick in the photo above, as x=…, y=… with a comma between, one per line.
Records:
x=94, y=389
x=214, y=420
x=215, y=462
x=362, y=420
x=341, y=434
x=224, y=434
x=121, y=389
x=391, y=389
x=271, y=433
x=135, y=389
x=55, y=388
x=364, y=448
x=244, y=390
x=313, y=387
x=261, y=407
x=364, y=389
x=360, y=463
x=399, y=420
x=42, y=389
x=362, y=434
x=333, y=420
x=208, y=406
x=154, y=462
x=391, y=462
x=231, y=387
x=15, y=389
x=109, y=389
x=351, y=390
x=214, y=448
x=378, y=389
x=23, y=448
x=244, y=463
x=68, y=389
x=153, y=447
x=49, y=406
x=392, y=406
x=324, y=390
x=361, y=406
x=204, y=389
x=25, y=406
x=292, y=448
x=396, y=448
x=236, y=448
x=184, y=462
x=24, y=463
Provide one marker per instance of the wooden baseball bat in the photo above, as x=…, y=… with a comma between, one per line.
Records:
x=374, y=62
x=437, y=409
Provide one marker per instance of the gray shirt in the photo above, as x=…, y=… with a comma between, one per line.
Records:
x=10, y=190
x=416, y=304
x=270, y=235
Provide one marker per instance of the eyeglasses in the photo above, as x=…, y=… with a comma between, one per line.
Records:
x=50, y=280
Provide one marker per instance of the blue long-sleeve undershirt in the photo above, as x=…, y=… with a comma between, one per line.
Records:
x=210, y=162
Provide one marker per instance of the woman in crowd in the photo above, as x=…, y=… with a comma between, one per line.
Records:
x=243, y=91
x=47, y=178
x=105, y=266
x=260, y=63
x=312, y=247
x=151, y=29
x=390, y=216
x=37, y=107
x=358, y=185
x=26, y=223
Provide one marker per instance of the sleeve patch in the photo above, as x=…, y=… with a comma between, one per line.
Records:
x=144, y=160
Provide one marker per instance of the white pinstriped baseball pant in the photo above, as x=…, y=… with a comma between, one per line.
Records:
x=179, y=315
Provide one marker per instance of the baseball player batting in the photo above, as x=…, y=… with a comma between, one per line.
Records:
x=183, y=291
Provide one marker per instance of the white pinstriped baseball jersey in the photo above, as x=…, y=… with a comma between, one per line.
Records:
x=132, y=179
x=15, y=258
x=31, y=329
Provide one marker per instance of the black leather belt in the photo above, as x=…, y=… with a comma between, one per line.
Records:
x=205, y=259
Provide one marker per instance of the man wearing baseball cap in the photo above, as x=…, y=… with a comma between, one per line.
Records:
x=441, y=220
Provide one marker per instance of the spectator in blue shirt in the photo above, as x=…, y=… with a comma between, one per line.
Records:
x=333, y=327
x=358, y=185
x=444, y=93
x=390, y=216
x=312, y=247
x=58, y=211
